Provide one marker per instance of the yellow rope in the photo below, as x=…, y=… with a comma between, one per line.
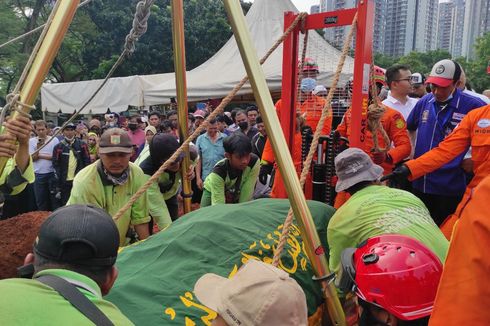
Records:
x=314, y=144
x=202, y=127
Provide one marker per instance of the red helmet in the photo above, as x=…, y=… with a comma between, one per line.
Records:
x=379, y=75
x=396, y=273
x=309, y=65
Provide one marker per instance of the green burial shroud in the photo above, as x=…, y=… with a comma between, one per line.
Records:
x=157, y=276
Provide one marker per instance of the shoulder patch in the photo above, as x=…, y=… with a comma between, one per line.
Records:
x=399, y=123
x=483, y=123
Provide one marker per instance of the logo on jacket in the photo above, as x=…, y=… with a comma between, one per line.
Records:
x=483, y=123
x=425, y=116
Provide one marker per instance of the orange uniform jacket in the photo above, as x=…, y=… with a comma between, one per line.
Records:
x=464, y=290
x=473, y=130
x=313, y=107
x=396, y=128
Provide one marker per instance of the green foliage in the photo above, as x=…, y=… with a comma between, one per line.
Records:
x=97, y=35
x=476, y=70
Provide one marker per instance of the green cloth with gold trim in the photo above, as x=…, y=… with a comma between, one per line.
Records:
x=157, y=276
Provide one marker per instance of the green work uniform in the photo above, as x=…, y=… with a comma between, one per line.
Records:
x=90, y=187
x=12, y=180
x=377, y=210
x=167, y=186
x=221, y=187
x=29, y=302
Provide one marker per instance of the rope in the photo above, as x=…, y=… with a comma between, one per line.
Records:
x=376, y=111
x=314, y=144
x=203, y=125
x=32, y=31
x=140, y=24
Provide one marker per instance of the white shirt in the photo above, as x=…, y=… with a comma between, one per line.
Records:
x=42, y=166
x=480, y=96
x=404, y=109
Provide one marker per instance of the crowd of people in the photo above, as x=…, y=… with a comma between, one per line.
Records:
x=386, y=245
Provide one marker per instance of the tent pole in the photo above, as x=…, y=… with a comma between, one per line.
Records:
x=181, y=87
x=310, y=237
x=65, y=10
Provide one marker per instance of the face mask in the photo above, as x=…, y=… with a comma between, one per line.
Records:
x=133, y=126
x=308, y=85
x=243, y=125
x=449, y=98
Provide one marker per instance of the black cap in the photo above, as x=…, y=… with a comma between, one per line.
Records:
x=70, y=126
x=79, y=235
x=163, y=146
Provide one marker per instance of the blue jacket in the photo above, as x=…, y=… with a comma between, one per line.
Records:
x=433, y=123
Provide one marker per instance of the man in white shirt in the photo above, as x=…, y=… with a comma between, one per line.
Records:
x=43, y=167
x=462, y=85
x=398, y=78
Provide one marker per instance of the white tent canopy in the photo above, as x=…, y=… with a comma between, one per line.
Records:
x=213, y=79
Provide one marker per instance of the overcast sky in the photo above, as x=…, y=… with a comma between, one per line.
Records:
x=302, y=5
x=305, y=5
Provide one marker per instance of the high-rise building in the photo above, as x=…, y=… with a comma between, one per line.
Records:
x=476, y=23
x=444, y=25
x=450, y=26
x=337, y=35
x=457, y=29
x=315, y=9
x=410, y=26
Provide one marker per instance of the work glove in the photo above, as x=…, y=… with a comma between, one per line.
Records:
x=379, y=157
x=265, y=171
x=399, y=174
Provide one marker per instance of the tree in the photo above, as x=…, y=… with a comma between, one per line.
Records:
x=476, y=70
x=97, y=35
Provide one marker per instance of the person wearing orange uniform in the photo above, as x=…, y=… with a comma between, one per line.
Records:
x=268, y=160
x=462, y=296
x=310, y=106
x=474, y=131
x=396, y=128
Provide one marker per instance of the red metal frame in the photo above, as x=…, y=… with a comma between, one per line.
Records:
x=362, y=62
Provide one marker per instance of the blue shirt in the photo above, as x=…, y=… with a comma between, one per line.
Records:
x=433, y=123
x=210, y=152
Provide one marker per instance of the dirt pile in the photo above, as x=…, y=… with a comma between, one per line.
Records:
x=16, y=238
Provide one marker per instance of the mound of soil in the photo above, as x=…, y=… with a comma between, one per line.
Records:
x=17, y=236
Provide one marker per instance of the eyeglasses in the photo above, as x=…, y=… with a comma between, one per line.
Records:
x=409, y=79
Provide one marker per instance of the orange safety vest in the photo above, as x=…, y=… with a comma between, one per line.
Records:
x=396, y=128
x=474, y=131
x=464, y=289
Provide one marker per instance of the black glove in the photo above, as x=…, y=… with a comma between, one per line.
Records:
x=265, y=171
x=400, y=174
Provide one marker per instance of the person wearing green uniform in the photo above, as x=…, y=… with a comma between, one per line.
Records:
x=374, y=209
x=19, y=170
x=110, y=182
x=76, y=246
x=162, y=195
x=233, y=178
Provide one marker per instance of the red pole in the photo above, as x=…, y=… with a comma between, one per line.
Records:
x=362, y=66
x=289, y=85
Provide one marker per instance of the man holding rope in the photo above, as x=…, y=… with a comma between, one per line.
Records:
x=110, y=182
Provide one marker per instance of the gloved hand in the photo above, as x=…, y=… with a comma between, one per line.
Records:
x=379, y=157
x=400, y=173
x=265, y=171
